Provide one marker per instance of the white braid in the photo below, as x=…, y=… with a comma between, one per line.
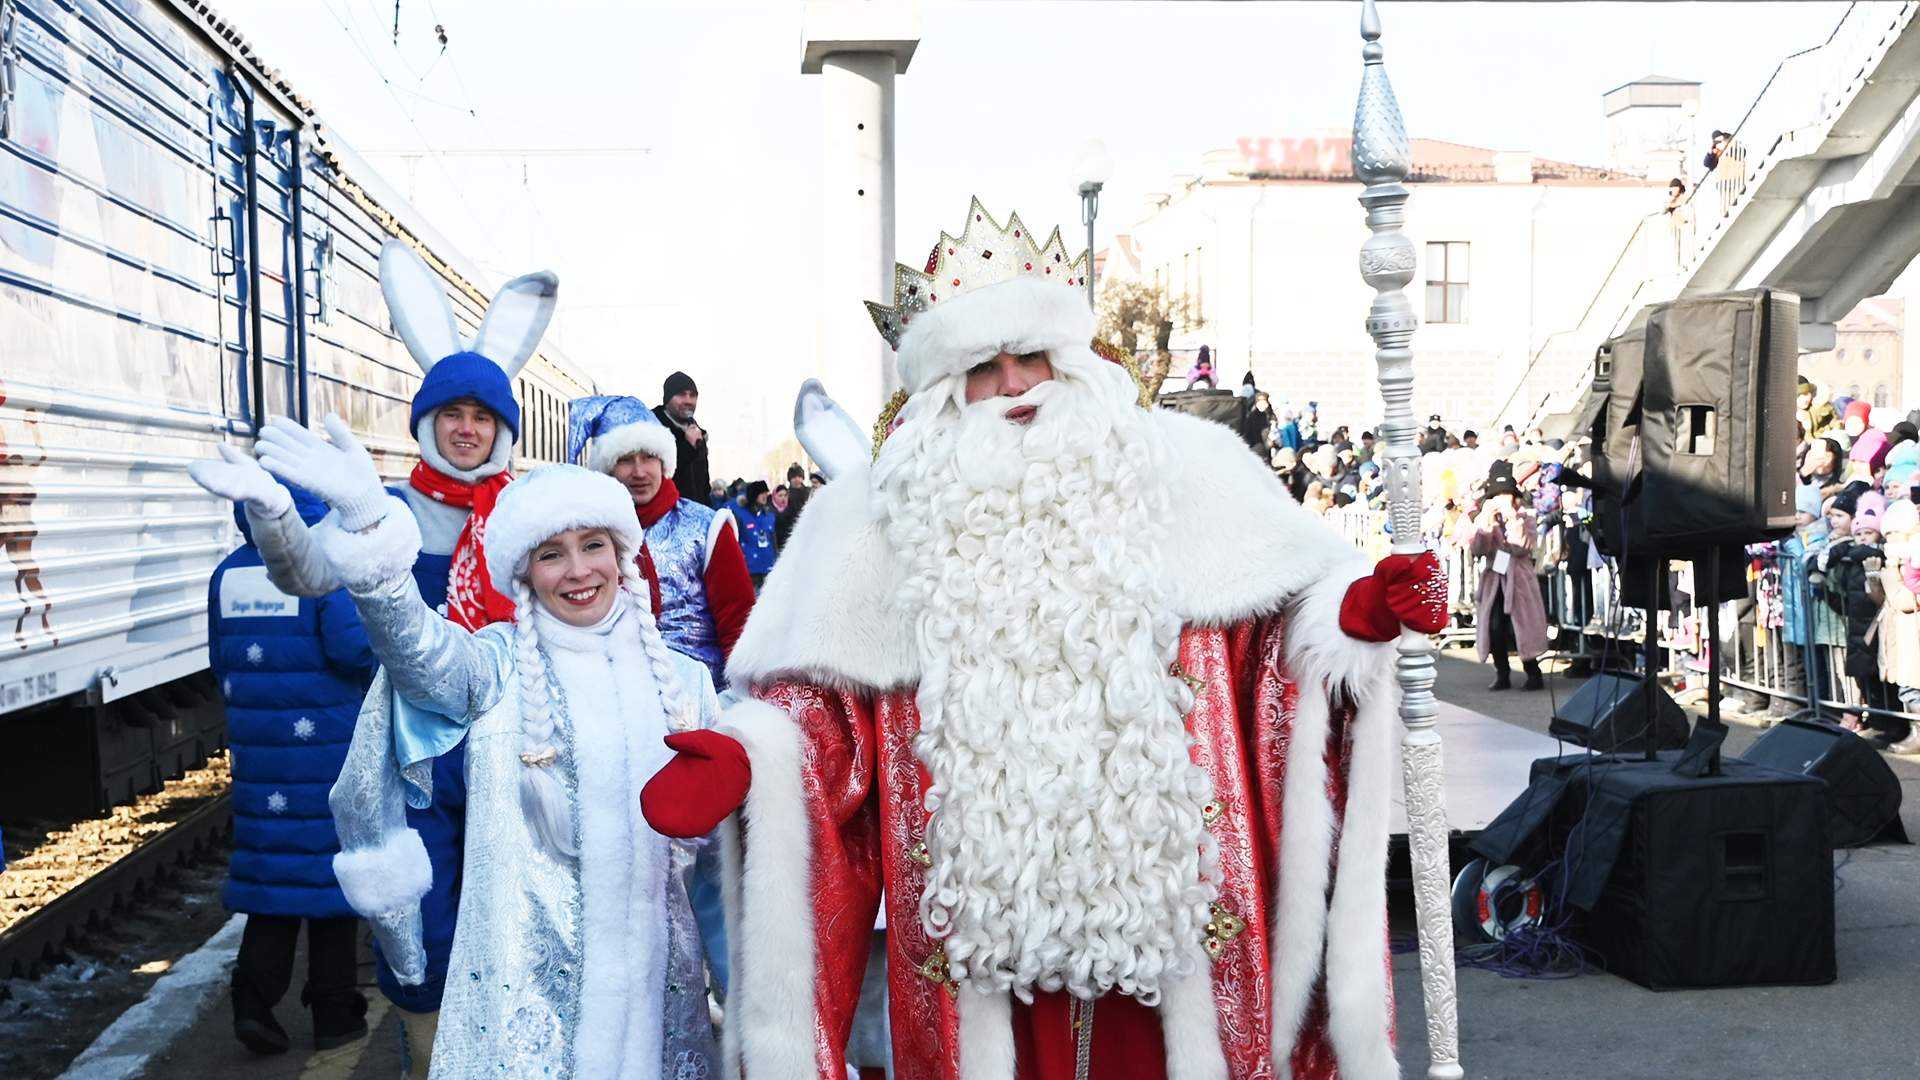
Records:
x=542, y=798
x=682, y=714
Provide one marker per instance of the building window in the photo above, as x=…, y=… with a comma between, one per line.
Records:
x=1839, y=356
x=1447, y=265
x=1868, y=358
x=1882, y=395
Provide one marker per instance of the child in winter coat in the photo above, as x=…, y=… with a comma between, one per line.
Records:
x=576, y=951
x=1853, y=566
x=293, y=672
x=1899, y=630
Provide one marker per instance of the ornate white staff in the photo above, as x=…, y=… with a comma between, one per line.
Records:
x=1380, y=161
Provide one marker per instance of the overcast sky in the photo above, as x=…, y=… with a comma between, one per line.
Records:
x=699, y=254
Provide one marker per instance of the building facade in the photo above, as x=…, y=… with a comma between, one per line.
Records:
x=1258, y=250
x=1865, y=362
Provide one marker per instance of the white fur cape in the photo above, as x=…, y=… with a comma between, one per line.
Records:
x=1244, y=549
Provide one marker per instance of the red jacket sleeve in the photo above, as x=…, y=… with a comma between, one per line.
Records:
x=729, y=588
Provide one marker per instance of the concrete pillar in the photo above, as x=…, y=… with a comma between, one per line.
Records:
x=857, y=47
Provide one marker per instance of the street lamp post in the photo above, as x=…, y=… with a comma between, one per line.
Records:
x=1091, y=169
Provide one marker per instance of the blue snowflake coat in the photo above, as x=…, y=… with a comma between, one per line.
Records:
x=294, y=673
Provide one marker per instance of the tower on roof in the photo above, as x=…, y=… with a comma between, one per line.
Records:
x=1652, y=125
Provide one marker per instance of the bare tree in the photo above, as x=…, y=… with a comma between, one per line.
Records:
x=1133, y=312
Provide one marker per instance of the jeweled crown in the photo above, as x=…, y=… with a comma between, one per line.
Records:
x=985, y=253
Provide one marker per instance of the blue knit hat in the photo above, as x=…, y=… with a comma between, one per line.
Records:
x=466, y=375
x=481, y=370
x=617, y=426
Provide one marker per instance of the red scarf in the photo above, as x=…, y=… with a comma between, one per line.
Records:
x=472, y=601
x=656, y=508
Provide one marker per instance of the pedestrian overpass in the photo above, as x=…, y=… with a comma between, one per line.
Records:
x=1819, y=195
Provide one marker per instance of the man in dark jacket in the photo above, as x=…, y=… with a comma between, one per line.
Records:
x=294, y=673
x=678, y=399
x=797, y=494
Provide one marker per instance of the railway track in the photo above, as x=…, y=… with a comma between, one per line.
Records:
x=81, y=878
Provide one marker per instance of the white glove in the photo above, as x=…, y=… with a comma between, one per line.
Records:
x=342, y=474
x=238, y=478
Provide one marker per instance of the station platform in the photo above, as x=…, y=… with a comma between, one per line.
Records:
x=1486, y=762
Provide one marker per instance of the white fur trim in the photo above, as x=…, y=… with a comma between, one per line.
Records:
x=617, y=727
x=1357, y=1017
x=1300, y=892
x=1262, y=548
x=1020, y=315
x=381, y=879
x=550, y=500
x=1319, y=652
x=365, y=559
x=984, y=1034
x=721, y=521
x=649, y=437
x=1190, y=1023
x=770, y=1004
x=827, y=612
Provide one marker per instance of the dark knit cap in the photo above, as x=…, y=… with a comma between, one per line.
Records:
x=1849, y=497
x=677, y=383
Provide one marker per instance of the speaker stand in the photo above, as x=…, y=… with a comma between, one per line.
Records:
x=1701, y=757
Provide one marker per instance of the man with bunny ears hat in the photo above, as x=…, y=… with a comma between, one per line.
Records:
x=466, y=422
x=1126, y=809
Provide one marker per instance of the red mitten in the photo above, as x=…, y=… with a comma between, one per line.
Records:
x=1403, y=590
x=706, y=780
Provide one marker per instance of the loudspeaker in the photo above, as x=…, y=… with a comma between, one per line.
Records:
x=1690, y=882
x=1716, y=428
x=1609, y=713
x=1693, y=424
x=1863, y=794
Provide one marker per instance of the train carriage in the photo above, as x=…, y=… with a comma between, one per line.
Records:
x=185, y=250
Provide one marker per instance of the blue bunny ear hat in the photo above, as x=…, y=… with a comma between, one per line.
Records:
x=609, y=427
x=481, y=370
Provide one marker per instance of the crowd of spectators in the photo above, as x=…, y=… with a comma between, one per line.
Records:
x=1835, y=601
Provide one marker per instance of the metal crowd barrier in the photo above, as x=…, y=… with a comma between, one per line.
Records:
x=1781, y=636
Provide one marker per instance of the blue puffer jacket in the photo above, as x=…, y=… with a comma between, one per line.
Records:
x=294, y=673
x=756, y=538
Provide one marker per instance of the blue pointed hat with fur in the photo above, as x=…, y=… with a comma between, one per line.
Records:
x=611, y=426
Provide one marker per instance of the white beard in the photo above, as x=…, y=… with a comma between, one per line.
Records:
x=1068, y=848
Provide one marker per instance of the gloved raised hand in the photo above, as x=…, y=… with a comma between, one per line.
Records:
x=706, y=780
x=235, y=476
x=1403, y=590
x=341, y=474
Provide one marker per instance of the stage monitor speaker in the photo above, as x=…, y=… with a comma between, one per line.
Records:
x=1863, y=794
x=1691, y=882
x=1717, y=420
x=1609, y=713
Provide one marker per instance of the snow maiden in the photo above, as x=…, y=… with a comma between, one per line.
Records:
x=576, y=952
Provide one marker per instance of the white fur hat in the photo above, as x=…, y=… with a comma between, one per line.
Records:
x=1020, y=315
x=551, y=500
